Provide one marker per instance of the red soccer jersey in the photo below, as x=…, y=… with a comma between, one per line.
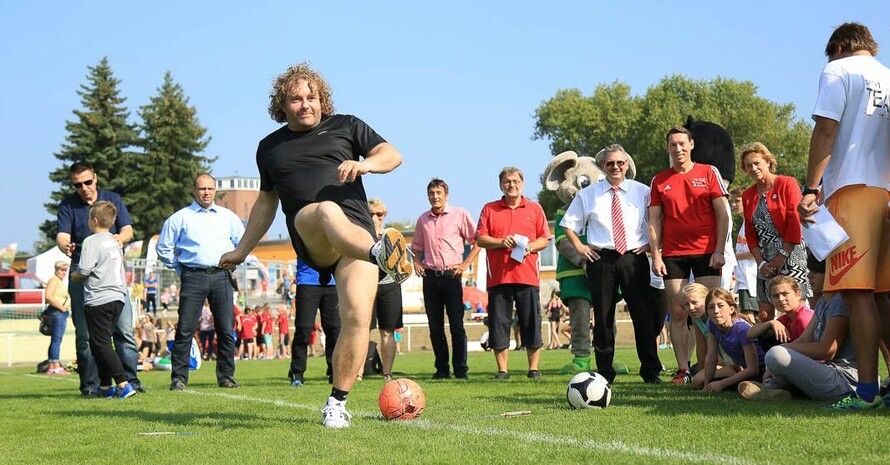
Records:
x=499, y=220
x=283, y=324
x=268, y=323
x=689, y=225
x=248, y=326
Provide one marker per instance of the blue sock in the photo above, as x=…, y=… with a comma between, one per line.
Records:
x=867, y=391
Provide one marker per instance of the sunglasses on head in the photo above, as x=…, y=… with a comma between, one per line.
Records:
x=379, y=214
x=618, y=163
x=88, y=182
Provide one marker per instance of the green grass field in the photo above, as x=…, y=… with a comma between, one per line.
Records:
x=266, y=421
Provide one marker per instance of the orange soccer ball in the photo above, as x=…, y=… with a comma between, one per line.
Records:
x=401, y=399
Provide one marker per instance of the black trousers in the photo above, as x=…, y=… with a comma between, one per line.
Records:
x=631, y=273
x=443, y=295
x=101, y=320
x=310, y=300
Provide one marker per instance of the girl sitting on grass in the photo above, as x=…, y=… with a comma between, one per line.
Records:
x=784, y=294
x=692, y=297
x=727, y=331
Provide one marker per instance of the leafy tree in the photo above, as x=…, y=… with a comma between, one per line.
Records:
x=173, y=140
x=572, y=121
x=100, y=135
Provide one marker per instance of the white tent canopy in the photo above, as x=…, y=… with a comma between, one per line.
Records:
x=43, y=265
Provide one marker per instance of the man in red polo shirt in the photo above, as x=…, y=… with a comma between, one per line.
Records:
x=513, y=230
x=438, y=244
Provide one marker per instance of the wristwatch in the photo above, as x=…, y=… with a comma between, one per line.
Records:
x=810, y=190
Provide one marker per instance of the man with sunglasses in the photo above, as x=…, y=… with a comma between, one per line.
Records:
x=72, y=229
x=439, y=238
x=613, y=215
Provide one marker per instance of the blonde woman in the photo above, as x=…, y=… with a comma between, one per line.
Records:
x=57, y=298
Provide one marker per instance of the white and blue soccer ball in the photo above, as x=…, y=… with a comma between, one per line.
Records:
x=589, y=390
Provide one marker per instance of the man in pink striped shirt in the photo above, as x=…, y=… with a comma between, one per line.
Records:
x=439, y=241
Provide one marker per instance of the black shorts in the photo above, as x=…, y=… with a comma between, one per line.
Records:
x=356, y=211
x=501, y=301
x=679, y=267
x=247, y=341
x=387, y=311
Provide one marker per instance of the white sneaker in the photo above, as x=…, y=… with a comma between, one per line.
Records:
x=334, y=414
x=393, y=255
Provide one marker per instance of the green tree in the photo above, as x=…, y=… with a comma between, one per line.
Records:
x=572, y=121
x=99, y=135
x=173, y=141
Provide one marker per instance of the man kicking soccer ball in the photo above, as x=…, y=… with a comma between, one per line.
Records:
x=314, y=166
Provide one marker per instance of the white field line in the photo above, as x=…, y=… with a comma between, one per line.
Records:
x=599, y=446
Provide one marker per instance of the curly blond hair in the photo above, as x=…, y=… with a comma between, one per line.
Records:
x=287, y=80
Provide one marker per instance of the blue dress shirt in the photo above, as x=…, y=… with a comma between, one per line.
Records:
x=197, y=237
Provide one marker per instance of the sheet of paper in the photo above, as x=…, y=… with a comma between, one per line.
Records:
x=825, y=235
x=518, y=252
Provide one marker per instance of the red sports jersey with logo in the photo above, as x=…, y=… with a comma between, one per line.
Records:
x=689, y=226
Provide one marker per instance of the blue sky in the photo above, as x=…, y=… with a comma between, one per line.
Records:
x=453, y=85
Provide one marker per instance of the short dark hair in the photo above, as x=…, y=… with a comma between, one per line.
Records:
x=436, y=182
x=80, y=167
x=850, y=38
x=677, y=130
x=814, y=264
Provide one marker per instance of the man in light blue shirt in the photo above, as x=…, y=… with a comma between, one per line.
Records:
x=191, y=242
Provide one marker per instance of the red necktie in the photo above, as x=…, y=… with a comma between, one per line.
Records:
x=618, y=223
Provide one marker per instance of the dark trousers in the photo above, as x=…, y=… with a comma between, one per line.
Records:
x=206, y=338
x=101, y=320
x=310, y=300
x=631, y=272
x=443, y=295
x=216, y=288
x=124, y=342
x=151, y=302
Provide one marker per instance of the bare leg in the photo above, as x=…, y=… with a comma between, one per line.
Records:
x=533, y=356
x=680, y=336
x=387, y=350
x=329, y=234
x=500, y=356
x=865, y=326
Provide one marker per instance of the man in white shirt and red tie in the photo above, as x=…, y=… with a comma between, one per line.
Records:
x=613, y=212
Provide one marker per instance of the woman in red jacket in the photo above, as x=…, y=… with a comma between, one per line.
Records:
x=771, y=218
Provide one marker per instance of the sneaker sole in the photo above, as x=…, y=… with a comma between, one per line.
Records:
x=396, y=258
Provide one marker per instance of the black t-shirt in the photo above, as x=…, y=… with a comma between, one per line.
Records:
x=302, y=166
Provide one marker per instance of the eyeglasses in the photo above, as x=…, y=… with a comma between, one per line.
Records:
x=379, y=214
x=618, y=163
x=88, y=182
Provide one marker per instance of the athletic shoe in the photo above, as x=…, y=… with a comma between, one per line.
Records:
x=885, y=387
x=534, y=374
x=682, y=377
x=502, y=375
x=57, y=371
x=334, y=414
x=393, y=256
x=444, y=375
x=577, y=365
x=886, y=400
x=854, y=403
x=126, y=391
x=229, y=383
x=387, y=377
x=297, y=383
x=178, y=385
x=108, y=393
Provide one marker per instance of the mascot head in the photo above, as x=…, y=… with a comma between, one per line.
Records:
x=713, y=146
x=568, y=173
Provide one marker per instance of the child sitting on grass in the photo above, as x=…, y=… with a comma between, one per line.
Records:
x=821, y=363
x=727, y=331
x=784, y=293
x=102, y=267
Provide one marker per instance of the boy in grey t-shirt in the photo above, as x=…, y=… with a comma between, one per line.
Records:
x=102, y=266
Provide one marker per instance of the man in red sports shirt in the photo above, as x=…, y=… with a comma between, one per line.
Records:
x=513, y=224
x=688, y=227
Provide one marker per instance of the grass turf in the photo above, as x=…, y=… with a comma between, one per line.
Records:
x=266, y=421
